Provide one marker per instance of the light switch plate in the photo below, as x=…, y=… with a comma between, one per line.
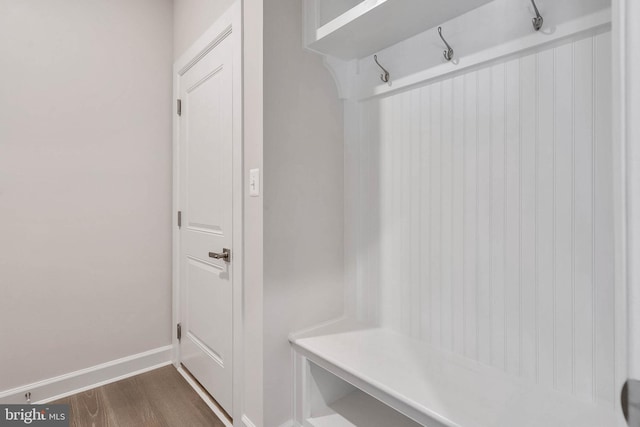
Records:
x=254, y=182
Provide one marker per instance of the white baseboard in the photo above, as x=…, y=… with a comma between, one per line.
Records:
x=246, y=422
x=207, y=399
x=86, y=379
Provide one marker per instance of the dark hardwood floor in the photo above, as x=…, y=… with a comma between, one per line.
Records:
x=156, y=398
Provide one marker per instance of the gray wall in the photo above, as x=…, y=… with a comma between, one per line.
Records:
x=253, y=212
x=303, y=198
x=191, y=18
x=85, y=183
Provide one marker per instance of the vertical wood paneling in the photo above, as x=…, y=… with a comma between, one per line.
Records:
x=484, y=243
x=386, y=211
x=404, y=192
x=583, y=218
x=372, y=186
x=395, y=214
x=563, y=215
x=498, y=162
x=528, y=283
x=512, y=229
x=604, y=297
x=425, y=213
x=446, y=207
x=364, y=262
x=487, y=223
x=414, y=230
x=470, y=214
x=545, y=220
x=435, y=253
x=458, y=215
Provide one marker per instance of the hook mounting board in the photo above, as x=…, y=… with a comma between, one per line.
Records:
x=366, y=28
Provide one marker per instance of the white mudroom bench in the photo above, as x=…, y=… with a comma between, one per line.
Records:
x=350, y=374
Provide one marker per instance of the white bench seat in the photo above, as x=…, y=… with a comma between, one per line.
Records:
x=436, y=388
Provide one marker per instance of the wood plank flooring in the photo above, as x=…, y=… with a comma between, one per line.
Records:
x=157, y=398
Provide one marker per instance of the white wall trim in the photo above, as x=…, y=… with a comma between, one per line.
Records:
x=246, y=422
x=533, y=41
x=205, y=397
x=85, y=379
x=342, y=73
x=627, y=191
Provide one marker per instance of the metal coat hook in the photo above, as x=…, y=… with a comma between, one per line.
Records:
x=448, y=54
x=537, y=20
x=385, y=76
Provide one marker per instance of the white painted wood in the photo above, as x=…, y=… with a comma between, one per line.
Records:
x=446, y=215
x=512, y=218
x=410, y=73
x=324, y=390
x=366, y=28
x=457, y=168
x=437, y=388
x=528, y=173
x=328, y=10
x=498, y=161
x=358, y=409
x=89, y=378
x=515, y=155
x=206, y=397
x=199, y=70
x=484, y=243
x=564, y=183
x=425, y=212
x=247, y=422
x=624, y=43
x=607, y=339
x=583, y=257
x=545, y=225
x=435, y=215
x=497, y=243
x=470, y=209
x=627, y=163
x=414, y=123
x=205, y=175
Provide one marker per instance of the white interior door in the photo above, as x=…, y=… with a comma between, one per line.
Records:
x=205, y=199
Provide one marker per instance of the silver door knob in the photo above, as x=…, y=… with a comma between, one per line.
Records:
x=225, y=255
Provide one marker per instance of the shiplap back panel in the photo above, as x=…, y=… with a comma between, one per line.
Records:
x=486, y=222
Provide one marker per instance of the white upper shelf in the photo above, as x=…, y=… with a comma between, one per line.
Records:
x=373, y=25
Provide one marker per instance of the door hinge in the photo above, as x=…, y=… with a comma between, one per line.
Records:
x=179, y=331
x=179, y=219
x=179, y=106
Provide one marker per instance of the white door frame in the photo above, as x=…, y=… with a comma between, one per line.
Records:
x=229, y=25
x=626, y=107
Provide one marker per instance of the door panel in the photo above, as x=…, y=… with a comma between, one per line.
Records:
x=205, y=186
x=208, y=157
